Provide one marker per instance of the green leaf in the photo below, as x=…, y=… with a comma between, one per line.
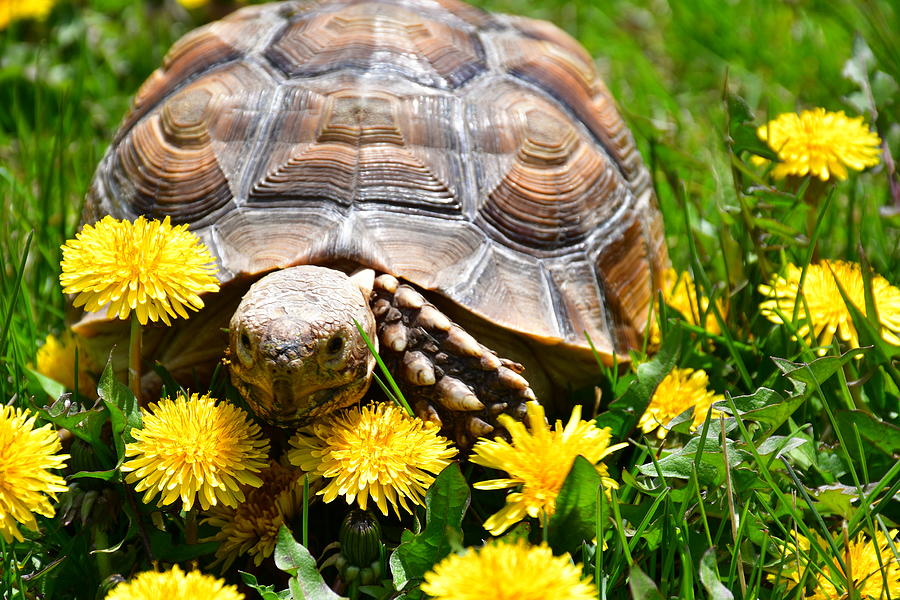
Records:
x=124, y=413
x=858, y=66
x=53, y=388
x=761, y=398
x=780, y=444
x=710, y=578
x=764, y=406
x=107, y=475
x=623, y=414
x=836, y=499
x=879, y=434
x=641, y=586
x=711, y=468
x=267, y=592
x=818, y=371
x=306, y=581
x=86, y=425
x=741, y=129
x=446, y=502
x=574, y=520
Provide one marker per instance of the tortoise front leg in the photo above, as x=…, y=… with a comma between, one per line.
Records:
x=448, y=377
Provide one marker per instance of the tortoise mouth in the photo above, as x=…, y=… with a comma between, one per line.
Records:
x=283, y=407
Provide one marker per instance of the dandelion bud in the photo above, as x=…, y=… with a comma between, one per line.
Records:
x=360, y=538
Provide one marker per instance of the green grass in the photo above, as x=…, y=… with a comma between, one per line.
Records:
x=810, y=444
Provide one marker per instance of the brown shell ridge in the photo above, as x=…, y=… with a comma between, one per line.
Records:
x=480, y=284
x=463, y=13
x=544, y=185
x=366, y=148
x=570, y=110
x=376, y=37
x=157, y=89
x=625, y=265
x=544, y=56
x=200, y=53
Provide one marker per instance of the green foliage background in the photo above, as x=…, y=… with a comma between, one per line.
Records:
x=808, y=442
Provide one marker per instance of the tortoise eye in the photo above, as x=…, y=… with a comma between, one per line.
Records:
x=335, y=344
x=243, y=348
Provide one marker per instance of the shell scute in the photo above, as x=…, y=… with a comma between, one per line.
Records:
x=545, y=186
x=340, y=145
x=378, y=37
x=180, y=160
x=199, y=50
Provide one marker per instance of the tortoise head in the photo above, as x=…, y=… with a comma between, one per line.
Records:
x=295, y=351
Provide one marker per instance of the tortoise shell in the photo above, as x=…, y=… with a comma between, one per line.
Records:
x=472, y=154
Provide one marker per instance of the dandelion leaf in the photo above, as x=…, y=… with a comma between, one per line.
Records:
x=763, y=406
x=53, y=388
x=86, y=425
x=816, y=372
x=741, y=128
x=836, y=499
x=575, y=518
x=873, y=432
x=710, y=465
x=124, y=413
x=857, y=69
x=710, y=579
x=446, y=502
x=641, y=586
x=306, y=581
x=266, y=592
x=780, y=445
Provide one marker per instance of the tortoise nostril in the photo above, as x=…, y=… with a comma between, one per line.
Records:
x=335, y=344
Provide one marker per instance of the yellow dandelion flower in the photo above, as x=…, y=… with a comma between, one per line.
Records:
x=12, y=10
x=192, y=4
x=377, y=450
x=27, y=454
x=680, y=390
x=828, y=314
x=870, y=579
x=513, y=571
x=174, y=585
x=252, y=527
x=539, y=461
x=148, y=267
x=820, y=143
x=681, y=293
x=195, y=449
x=56, y=360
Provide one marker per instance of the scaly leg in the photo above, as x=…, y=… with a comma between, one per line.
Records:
x=447, y=376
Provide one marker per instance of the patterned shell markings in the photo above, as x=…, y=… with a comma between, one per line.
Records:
x=473, y=154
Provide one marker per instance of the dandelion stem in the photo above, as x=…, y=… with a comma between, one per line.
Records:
x=305, y=528
x=134, y=357
x=811, y=196
x=101, y=543
x=190, y=525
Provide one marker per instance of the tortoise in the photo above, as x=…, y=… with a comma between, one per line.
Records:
x=458, y=182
